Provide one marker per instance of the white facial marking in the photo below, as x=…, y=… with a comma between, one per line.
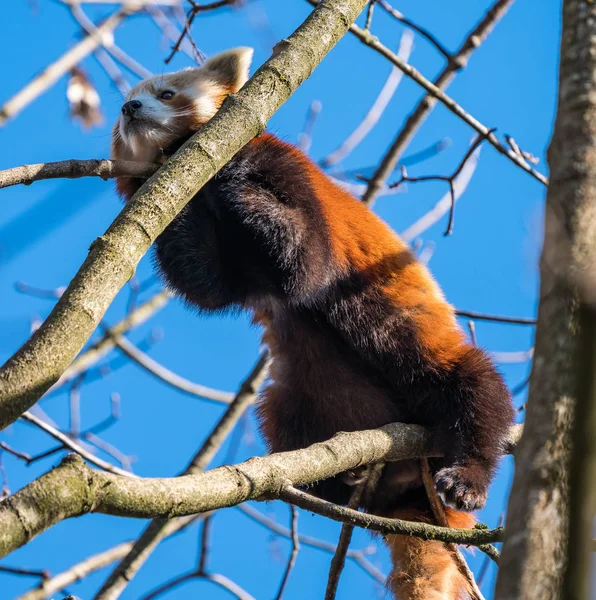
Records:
x=154, y=119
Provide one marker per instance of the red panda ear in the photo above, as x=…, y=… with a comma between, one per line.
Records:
x=229, y=68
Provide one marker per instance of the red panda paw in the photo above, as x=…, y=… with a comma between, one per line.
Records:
x=462, y=488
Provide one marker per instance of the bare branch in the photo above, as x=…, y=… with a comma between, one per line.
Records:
x=376, y=110
x=108, y=43
x=358, y=556
x=24, y=572
x=73, y=169
x=435, y=92
x=169, y=29
x=474, y=537
x=471, y=155
x=343, y=544
x=396, y=14
x=192, y=13
x=447, y=202
x=169, y=377
x=38, y=85
x=72, y=445
x=79, y=571
x=106, y=344
x=468, y=314
x=73, y=488
x=293, y=553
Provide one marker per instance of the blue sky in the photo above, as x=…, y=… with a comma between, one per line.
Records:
x=489, y=264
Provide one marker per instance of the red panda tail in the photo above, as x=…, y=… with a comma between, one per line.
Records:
x=426, y=570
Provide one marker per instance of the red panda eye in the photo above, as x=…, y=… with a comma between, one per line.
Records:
x=167, y=95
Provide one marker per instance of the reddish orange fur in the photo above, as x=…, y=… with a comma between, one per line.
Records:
x=363, y=241
x=425, y=570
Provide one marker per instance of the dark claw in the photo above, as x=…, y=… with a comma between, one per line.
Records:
x=458, y=490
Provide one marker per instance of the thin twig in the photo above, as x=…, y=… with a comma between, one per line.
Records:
x=41, y=574
x=376, y=110
x=358, y=556
x=396, y=14
x=447, y=202
x=169, y=29
x=468, y=314
x=190, y=17
x=345, y=537
x=70, y=444
x=293, y=553
x=164, y=374
x=450, y=179
x=370, y=9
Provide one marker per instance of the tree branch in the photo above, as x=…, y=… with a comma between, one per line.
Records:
x=545, y=515
x=435, y=92
x=73, y=488
x=73, y=169
x=113, y=257
x=358, y=556
x=106, y=344
x=164, y=374
x=474, y=537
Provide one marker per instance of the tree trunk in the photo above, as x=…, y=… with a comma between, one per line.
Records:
x=548, y=520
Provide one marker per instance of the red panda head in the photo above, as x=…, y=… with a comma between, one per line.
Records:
x=160, y=110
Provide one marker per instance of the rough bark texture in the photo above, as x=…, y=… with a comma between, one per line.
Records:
x=535, y=549
x=73, y=488
x=113, y=257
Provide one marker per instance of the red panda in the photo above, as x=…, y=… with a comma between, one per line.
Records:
x=359, y=332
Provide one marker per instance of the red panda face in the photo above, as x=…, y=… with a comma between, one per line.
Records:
x=164, y=108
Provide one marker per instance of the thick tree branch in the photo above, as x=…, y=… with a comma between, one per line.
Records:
x=73, y=169
x=73, y=488
x=113, y=257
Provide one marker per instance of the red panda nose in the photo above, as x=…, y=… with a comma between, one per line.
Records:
x=129, y=108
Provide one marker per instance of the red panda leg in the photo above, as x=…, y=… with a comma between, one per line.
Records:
x=426, y=570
